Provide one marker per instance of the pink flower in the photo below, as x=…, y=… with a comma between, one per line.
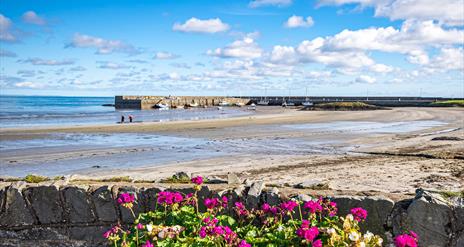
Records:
x=202, y=232
x=307, y=232
x=317, y=243
x=197, y=180
x=266, y=207
x=313, y=207
x=107, y=234
x=148, y=244
x=139, y=226
x=414, y=235
x=168, y=198
x=288, y=206
x=405, y=240
x=126, y=200
x=359, y=214
x=243, y=243
x=240, y=208
x=218, y=230
x=225, y=201
x=211, y=203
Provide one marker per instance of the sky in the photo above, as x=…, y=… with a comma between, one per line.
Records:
x=232, y=47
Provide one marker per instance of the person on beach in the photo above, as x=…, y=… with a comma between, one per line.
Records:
x=122, y=118
x=130, y=118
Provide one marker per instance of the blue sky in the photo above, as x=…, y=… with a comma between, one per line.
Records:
x=330, y=47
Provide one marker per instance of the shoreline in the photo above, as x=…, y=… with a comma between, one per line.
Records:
x=390, y=168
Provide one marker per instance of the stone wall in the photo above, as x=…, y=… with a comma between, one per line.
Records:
x=66, y=215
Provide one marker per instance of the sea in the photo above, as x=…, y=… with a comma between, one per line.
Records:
x=32, y=111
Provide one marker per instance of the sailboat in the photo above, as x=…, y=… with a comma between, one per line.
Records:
x=289, y=103
x=265, y=101
x=307, y=102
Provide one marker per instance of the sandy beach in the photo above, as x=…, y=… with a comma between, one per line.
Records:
x=384, y=151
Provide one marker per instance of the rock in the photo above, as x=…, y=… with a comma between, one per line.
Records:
x=272, y=197
x=46, y=203
x=304, y=198
x=105, y=205
x=378, y=208
x=232, y=178
x=215, y=180
x=126, y=214
x=430, y=216
x=77, y=205
x=254, y=193
x=148, y=197
x=181, y=176
x=91, y=234
x=14, y=210
x=313, y=184
x=248, y=182
x=447, y=138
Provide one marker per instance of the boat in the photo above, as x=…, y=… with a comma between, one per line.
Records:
x=252, y=107
x=264, y=101
x=307, y=102
x=223, y=103
x=162, y=106
x=193, y=104
x=239, y=104
x=219, y=107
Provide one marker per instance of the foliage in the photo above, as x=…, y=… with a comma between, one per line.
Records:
x=35, y=178
x=450, y=103
x=345, y=106
x=177, y=221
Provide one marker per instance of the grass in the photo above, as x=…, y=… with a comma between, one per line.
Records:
x=451, y=194
x=459, y=103
x=31, y=178
x=345, y=106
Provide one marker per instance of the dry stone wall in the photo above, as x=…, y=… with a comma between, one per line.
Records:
x=78, y=215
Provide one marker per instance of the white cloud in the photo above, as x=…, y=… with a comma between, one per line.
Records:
x=48, y=62
x=244, y=48
x=6, y=33
x=314, y=51
x=418, y=57
x=413, y=35
x=284, y=55
x=365, y=79
x=261, y=3
x=181, y=65
x=448, y=59
x=28, y=84
x=112, y=65
x=32, y=18
x=381, y=68
x=165, y=55
x=103, y=46
x=299, y=21
x=201, y=26
x=450, y=12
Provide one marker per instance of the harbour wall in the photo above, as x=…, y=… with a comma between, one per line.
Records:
x=149, y=102
x=71, y=215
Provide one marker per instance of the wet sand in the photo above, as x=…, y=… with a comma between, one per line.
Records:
x=387, y=151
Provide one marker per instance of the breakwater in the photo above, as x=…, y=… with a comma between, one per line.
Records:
x=150, y=102
x=77, y=215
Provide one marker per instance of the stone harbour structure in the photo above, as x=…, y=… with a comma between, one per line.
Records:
x=77, y=215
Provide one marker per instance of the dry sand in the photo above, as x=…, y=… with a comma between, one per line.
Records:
x=377, y=163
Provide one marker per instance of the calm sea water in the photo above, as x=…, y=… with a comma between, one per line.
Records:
x=28, y=111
